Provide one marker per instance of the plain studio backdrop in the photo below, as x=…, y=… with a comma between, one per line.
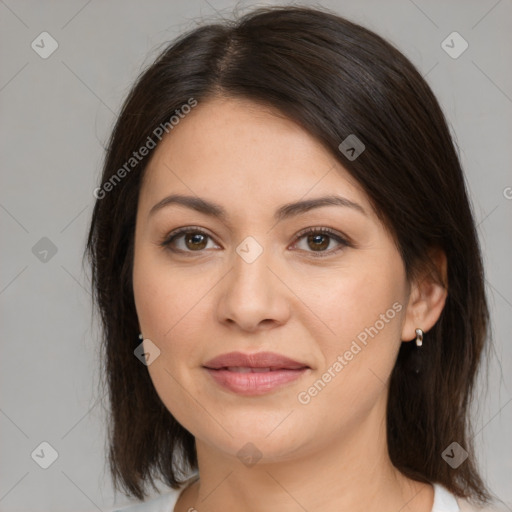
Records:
x=58, y=102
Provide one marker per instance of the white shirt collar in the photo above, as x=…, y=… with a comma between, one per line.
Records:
x=444, y=500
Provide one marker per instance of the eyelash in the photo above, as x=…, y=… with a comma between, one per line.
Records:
x=344, y=242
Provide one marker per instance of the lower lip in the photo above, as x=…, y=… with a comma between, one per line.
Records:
x=255, y=383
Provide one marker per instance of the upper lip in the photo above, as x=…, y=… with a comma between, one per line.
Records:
x=256, y=360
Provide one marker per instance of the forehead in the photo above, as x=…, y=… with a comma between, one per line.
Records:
x=244, y=152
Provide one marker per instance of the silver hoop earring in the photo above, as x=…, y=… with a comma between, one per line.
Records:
x=419, y=337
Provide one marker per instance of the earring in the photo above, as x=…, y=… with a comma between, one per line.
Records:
x=419, y=337
x=141, y=337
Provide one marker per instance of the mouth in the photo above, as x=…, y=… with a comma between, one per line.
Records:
x=256, y=362
x=254, y=374
x=254, y=369
x=255, y=381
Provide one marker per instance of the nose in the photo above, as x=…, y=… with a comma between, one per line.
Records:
x=252, y=297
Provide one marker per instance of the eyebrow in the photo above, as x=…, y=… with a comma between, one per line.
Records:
x=284, y=212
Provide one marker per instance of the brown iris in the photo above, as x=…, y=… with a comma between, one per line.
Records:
x=195, y=241
x=318, y=242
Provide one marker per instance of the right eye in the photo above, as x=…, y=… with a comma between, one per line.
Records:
x=190, y=239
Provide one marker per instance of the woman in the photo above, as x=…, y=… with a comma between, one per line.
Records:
x=289, y=277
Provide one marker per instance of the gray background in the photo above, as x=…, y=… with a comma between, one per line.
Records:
x=56, y=114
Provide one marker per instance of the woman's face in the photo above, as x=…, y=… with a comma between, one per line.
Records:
x=262, y=277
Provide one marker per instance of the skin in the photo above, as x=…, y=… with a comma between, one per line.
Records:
x=330, y=454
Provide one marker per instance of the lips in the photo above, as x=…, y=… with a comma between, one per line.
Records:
x=254, y=374
x=256, y=363
x=248, y=369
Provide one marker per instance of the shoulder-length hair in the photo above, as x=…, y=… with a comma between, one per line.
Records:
x=334, y=78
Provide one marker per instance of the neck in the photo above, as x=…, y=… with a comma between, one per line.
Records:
x=352, y=472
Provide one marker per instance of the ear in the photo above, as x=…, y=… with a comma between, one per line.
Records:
x=427, y=297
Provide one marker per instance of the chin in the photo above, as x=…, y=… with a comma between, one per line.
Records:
x=252, y=436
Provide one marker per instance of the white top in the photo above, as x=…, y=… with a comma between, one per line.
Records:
x=444, y=501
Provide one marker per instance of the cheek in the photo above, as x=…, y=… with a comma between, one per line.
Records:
x=362, y=309
x=151, y=299
x=169, y=307
x=165, y=295
x=354, y=299
x=175, y=311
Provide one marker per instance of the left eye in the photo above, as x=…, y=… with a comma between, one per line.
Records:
x=320, y=241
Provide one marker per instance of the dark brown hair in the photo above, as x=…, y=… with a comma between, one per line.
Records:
x=334, y=78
